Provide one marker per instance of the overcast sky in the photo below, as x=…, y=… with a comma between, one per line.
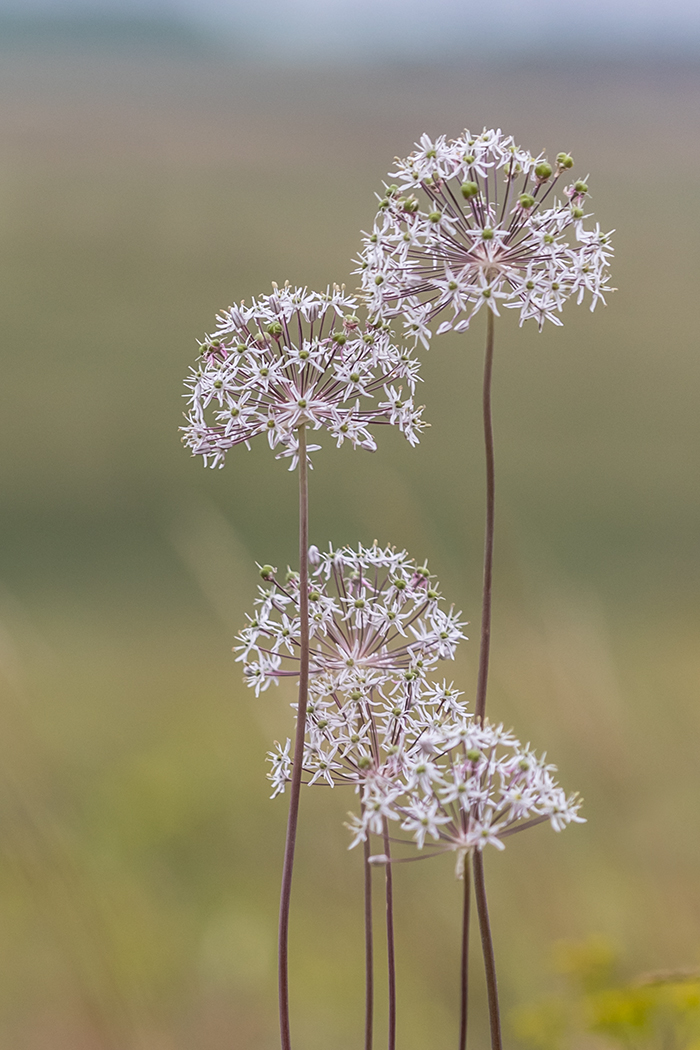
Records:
x=333, y=28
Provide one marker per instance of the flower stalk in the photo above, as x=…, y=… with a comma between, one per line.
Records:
x=464, y=970
x=487, y=950
x=369, y=950
x=485, y=647
x=390, y=945
x=295, y=787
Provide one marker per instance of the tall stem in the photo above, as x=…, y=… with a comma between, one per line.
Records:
x=295, y=790
x=487, y=950
x=369, y=951
x=464, y=975
x=390, y=950
x=484, y=650
x=480, y=706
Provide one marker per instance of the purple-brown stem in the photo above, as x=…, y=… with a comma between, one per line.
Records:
x=480, y=706
x=485, y=646
x=464, y=973
x=369, y=951
x=295, y=789
x=487, y=950
x=390, y=950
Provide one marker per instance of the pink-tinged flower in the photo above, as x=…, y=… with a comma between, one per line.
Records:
x=476, y=222
x=467, y=787
x=374, y=615
x=298, y=359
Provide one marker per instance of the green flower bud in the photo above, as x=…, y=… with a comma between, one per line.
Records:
x=581, y=186
x=435, y=216
x=473, y=755
x=274, y=328
x=487, y=234
x=218, y=384
x=364, y=762
x=469, y=190
x=526, y=200
x=379, y=279
x=267, y=571
x=565, y=160
x=577, y=213
x=543, y=170
x=314, y=596
x=302, y=402
x=339, y=338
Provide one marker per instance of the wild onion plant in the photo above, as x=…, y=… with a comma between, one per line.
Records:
x=292, y=362
x=467, y=224
x=470, y=222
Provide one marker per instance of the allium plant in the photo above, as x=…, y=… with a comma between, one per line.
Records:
x=373, y=613
x=475, y=221
x=291, y=362
x=469, y=223
x=461, y=784
x=297, y=359
x=376, y=629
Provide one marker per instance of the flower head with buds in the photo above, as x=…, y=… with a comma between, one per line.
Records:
x=298, y=359
x=374, y=614
x=461, y=786
x=475, y=221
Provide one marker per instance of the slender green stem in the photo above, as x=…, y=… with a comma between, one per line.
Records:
x=295, y=788
x=485, y=646
x=369, y=950
x=487, y=950
x=464, y=975
x=390, y=948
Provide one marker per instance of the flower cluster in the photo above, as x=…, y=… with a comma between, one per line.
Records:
x=349, y=739
x=486, y=226
x=462, y=784
x=373, y=614
x=297, y=359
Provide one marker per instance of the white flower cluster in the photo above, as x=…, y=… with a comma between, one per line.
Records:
x=348, y=741
x=297, y=358
x=462, y=784
x=373, y=614
x=486, y=226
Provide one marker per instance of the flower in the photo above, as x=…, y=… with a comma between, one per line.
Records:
x=472, y=786
x=374, y=614
x=293, y=359
x=356, y=737
x=486, y=227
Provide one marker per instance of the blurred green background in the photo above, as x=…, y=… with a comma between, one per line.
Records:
x=139, y=193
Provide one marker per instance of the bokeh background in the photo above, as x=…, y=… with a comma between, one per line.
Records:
x=154, y=168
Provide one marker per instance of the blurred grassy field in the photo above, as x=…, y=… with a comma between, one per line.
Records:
x=140, y=854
